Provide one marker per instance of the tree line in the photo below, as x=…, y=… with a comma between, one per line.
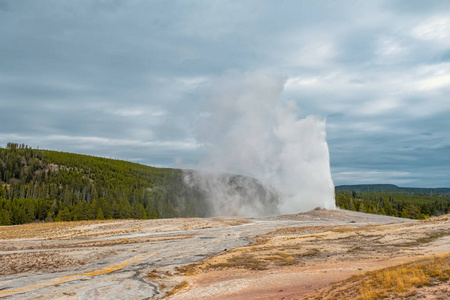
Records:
x=412, y=206
x=43, y=185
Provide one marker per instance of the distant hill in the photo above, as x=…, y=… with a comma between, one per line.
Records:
x=390, y=188
x=43, y=185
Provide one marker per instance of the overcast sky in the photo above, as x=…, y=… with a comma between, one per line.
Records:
x=123, y=79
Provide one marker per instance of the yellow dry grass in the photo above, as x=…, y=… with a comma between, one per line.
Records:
x=96, y=228
x=231, y=222
x=177, y=288
x=46, y=230
x=267, y=253
x=15, y=263
x=399, y=281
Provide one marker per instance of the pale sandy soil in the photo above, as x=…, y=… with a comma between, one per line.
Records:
x=284, y=257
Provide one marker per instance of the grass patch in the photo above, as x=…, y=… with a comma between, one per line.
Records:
x=231, y=222
x=344, y=229
x=45, y=230
x=399, y=281
x=16, y=263
x=177, y=288
x=71, y=229
x=154, y=275
x=250, y=258
x=241, y=261
x=280, y=258
x=432, y=237
x=188, y=270
x=424, y=240
x=311, y=252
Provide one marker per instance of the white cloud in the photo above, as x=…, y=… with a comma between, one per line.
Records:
x=371, y=177
x=140, y=81
x=366, y=127
x=123, y=112
x=314, y=82
x=435, y=29
x=377, y=107
x=129, y=112
x=389, y=47
x=96, y=141
x=316, y=54
x=14, y=137
x=185, y=144
x=191, y=82
x=434, y=82
x=158, y=113
x=298, y=82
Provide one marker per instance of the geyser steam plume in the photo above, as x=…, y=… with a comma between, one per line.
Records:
x=249, y=130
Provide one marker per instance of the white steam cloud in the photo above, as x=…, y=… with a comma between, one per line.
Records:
x=249, y=130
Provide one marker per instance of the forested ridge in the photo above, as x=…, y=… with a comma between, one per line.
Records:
x=392, y=189
x=413, y=206
x=43, y=185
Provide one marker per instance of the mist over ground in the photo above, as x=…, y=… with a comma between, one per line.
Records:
x=248, y=130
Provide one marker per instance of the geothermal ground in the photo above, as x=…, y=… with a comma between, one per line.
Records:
x=307, y=255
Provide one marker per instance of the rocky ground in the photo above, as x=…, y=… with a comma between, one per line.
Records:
x=306, y=255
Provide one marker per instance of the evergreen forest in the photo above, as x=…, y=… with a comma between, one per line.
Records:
x=45, y=186
x=406, y=205
x=42, y=185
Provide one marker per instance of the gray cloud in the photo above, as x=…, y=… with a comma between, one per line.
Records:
x=124, y=78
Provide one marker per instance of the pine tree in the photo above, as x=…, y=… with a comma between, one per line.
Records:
x=5, y=217
x=100, y=214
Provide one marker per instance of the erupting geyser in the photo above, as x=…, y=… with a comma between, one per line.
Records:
x=249, y=130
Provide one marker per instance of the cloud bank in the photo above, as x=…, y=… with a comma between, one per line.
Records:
x=122, y=79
